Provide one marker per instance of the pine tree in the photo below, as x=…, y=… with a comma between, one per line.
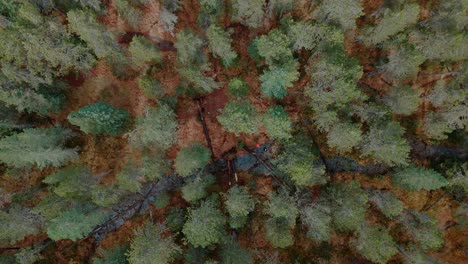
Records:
x=299, y=161
x=248, y=12
x=152, y=88
x=344, y=136
x=191, y=159
x=210, y=11
x=283, y=212
x=100, y=118
x=424, y=230
x=403, y=62
x=205, y=225
x=387, y=203
x=115, y=255
x=239, y=204
x=238, y=87
x=143, y=51
x=385, y=143
x=220, y=44
x=416, y=178
x=403, y=100
x=130, y=177
x=238, y=117
x=277, y=80
x=339, y=12
x=348, y=206
x=317, y=219
x=195, y=189
x=233, y=253
x=375, y=243
x=41, y=147
x=72, y=182
x=277, y=123
x=18, y=222
x=152, y=245
x=157, y=128
x=129, y=13
x=274, y=47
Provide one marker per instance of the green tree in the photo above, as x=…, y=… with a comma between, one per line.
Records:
x=175, y=219
x=375, y=243
x=403, y=62
x=195, y=189
x=152, y=88
x=249, y=13
x=115, y=255
x=283, y=212
x=129, y=13
x=339, y=12
x=403, y=100
x=385, y=143
x=18, y=222
x=100, y=118
x=281, y=6
x=239, y=204
x=205, y=225
x=274, y=47
x=152, y=245
x=277, y=80
x=344, y=136
x=387, y=203
x=157, y=127
x=220, y=44
x=191, y=159
x=188, y=47
x=238, y=117
x=130, y=177
x=441, y=47
x=415, y=178
x=317, y=219
x=143, y=51
x=238, y=87
x=210, y=10
x=277, y=123
x=72, y=182
x=424, y=230
x=41, y=147
x=233, y=253
x=393, y=22
x=348, y=206
x=299, y=161
x=75, y=223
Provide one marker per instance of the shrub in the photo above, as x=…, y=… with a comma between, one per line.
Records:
x=195, y=189
x=151, y=245
x=349, y=206
x=238, y=87
x=403, y=100
x=205, y=225
x=317, y=219
x=300, y=163
x=143, y=51
x=156, y=128
x=100, y=118
x=344, y=136
x=385, y=143
x=192, y=158
x=41, y=147
x=220, y=44
x=239, y=118
x=249, y=13
x=339, y=12
x=277, y=80
x=375, y=244
x=277, y=123
x=387, y=203
x=416, y=178
x=239, y=204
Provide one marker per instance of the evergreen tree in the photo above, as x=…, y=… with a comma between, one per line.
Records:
x=387, y=203
x=191, y=159
x=375, y=243
x=152, y=245
x=348, y=206
x=283, y=213
x=393, y=22
x=274, y=47
x=210, y=10
x=277, y=80
x=195, y=189
x=277, y=123
x=188, y=47
x=72, y=182
x=344, y=136
x=114, y=255
x=238, y=87
x=299, y=161
x=129, y=13
x=339, y=12
x=100, y=118
x=41, y=147
x=416, y=178
x=385, y=143
x=317, y=219
x=157, y=127
x=175, y=219
x=233, y=253
x=220, y=44
x=205, y=225
x=403, y=100
x=18, y=222
x=239, y=204
x=424, y=230
x=152, y=88
x=238, y=117
x=403, y=62
x=143, y=51
x=248, y=12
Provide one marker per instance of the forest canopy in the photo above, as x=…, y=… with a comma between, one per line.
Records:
x=233, y=131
